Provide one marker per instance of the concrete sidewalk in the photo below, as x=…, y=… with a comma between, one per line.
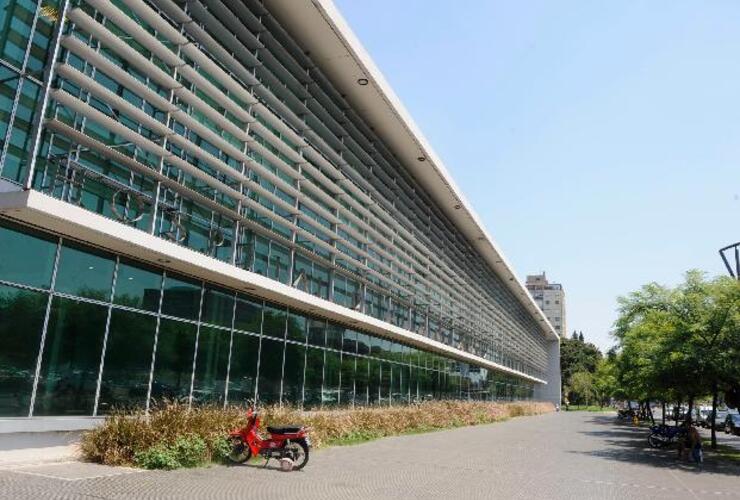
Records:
x=38, y=447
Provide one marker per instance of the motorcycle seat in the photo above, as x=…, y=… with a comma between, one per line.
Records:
x=283, y=430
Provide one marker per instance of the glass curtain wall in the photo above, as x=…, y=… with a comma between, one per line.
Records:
x=87, y=332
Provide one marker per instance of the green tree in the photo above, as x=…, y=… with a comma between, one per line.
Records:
x=582, y=387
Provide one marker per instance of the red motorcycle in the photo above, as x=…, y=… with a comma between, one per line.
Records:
x=288, y=444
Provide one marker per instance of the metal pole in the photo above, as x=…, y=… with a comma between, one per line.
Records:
x=48, y=78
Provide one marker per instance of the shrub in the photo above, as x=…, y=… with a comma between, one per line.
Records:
x=157, y=457
x=172, y=435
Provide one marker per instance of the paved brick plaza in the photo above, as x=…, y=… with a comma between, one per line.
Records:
x=566, y=455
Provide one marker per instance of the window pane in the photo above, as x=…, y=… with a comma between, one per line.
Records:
x=314, y=377
x=347, y=394
x=128, y=360
x=218, y=307
x=361, y=376
x=248, y=315
x=334, y=336
x=363, y=343
x=330, y=389
x=25, y=258
x=211, y=364
x=273, y=323
x=373, y=383
x=317, y=332
x=181, y=298
x=243, y=372
x=137, y=287
x=349, y=341
x=297, y=325
x=69, y=369
x=295, y=355
x=271, y=371
x=84, y=273
x=21, y=322
x=173, y=365
x=385, y=383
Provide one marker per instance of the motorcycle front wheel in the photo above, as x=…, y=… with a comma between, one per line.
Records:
x=655, y=442
x=297, y=451
x=240, y=452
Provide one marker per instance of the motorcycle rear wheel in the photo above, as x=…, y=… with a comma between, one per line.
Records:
x=240, y=452
x=298, y=452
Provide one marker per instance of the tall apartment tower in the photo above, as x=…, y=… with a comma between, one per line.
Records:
x=550, y=297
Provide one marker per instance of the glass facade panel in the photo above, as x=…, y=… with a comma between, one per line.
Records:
x=137, y=287
x=243, y=368
x=361, y=378
x=270, y=371
x=21, y=323
x=218, y=307
x=248, y=315
x=314, y=377
x=128, y=361
x=294, y=364
x=71, y=359
x=84, y=274
x=347, y=392
x=297, y=327
x=317, y=332
x=332, y=370
x=373, y=383
x=211, y=365
x=173, y=364
x=273, y=321
x=181, y=297
x=25, y=258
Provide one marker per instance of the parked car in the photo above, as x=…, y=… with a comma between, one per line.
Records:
x=702, y=417
x=719, y=420
x=732, y=423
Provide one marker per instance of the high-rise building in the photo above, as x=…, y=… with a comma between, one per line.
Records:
x=220, y=200
x=550, y=297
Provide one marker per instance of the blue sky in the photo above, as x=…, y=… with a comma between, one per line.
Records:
x=599, y=141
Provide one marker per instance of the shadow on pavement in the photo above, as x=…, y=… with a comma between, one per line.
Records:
x=625, y=443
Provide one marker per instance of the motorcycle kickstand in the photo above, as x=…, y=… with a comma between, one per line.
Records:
x=267, y=461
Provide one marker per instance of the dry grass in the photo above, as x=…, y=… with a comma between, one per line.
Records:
x=123, y=435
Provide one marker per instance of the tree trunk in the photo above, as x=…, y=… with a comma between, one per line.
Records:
x=691, y=409
x=714, y=412
x=650, y=411
x=663, y=412
x=676, y=411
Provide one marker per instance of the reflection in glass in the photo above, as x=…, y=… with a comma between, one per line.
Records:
x=314, y=377
x=317, y=332
x=173, y=364
x=71, y=360
x=211, y=364
x=128, y=360
x=361, y=376
x=273, y=322
x=295, y=359
x=26, y=259
x=332, y=370
x=270, y=371
x=137, y=287
x=21, y=322
x=84, y=273
x=373, y=383
x=297, y=325
x=181, y=297
x=218, y=307
x=248, y=315
x=347, y=392
x=243, y=371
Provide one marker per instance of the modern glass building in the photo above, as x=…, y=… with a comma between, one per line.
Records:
x=221, y=200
